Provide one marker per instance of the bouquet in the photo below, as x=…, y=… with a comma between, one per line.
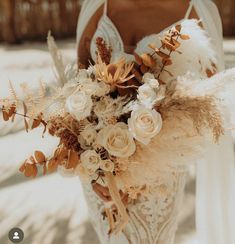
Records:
x=122, y=124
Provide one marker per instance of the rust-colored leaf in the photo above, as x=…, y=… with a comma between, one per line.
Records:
x=168, y=45
x=40, y=157
x=44, y=169
x=152, y=46
x=12, y=110
x=52, y=165
x=62, y=154
x=163, y=55
x=184, y=37
x=5, y=115
x=30, y=170
x=144, y=69
x=36, y=123
x=175, y=43
x=148, y=60
x=167, y=62
x=178, y=28
x=22, y=167
x=73, y=160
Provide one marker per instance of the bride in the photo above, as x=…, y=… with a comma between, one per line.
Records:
x=126, y=26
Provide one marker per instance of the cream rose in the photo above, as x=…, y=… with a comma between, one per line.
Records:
x=90, y=160
x=146, y=95
x=79, y=105
x=117, y=140
x=144, y=124
x=150, y=80
x=107, y=165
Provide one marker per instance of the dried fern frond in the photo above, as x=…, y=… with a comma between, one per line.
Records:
x=13, y=92
x=103, y=51
x=57, y=59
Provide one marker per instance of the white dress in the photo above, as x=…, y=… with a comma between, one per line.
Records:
x=216, y=173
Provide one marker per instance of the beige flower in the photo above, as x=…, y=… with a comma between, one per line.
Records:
x=79, y=105
x=87, y=137
x=149, y=79
x=144, y=124
x=114, y=74
x=117, y=140
x=107, y=165
x=146, y=95
x=90, y=160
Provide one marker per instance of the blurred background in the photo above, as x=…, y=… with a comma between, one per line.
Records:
x=52, y=209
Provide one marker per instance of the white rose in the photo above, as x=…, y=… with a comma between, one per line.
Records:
x=117, y=140
x=79, y=105
x=149, y=79
x=144, y=124
x=90, y=160
x=146, y=95
x=88, y=86
x=107, y=165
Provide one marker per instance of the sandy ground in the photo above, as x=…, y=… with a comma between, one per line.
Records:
x=52, y=210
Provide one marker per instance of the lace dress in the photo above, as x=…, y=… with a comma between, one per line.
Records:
x=153, y=218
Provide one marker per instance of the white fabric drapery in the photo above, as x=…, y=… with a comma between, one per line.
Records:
x=215, y=194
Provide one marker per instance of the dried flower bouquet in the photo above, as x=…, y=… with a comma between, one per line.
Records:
x=121, y=125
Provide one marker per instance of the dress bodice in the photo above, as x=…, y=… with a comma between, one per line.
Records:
x=110, y=34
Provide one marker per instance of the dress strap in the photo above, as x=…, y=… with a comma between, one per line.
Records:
x=105, y=7
x=189, y=10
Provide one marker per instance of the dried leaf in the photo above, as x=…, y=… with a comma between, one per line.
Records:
x=62, y=154
x=30, y=170
x=167, y=62
x=184, y=37
x=178, y=28
x=168, y=45
x=52, y=165
x=40, y=157
x=32, y=160
x=162, y=55
x=148, y=60
x=36, y=123
x=73, y=160
x=44, y=169
x=22, y=167
x=5, y=115
x=26, y=125
x=25, y=109
x=12, y=110
x=144, y=69
x=153, y=46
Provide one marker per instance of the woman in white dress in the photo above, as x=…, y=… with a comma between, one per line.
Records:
x=127, y=24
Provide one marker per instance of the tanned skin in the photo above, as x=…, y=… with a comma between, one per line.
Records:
x=134, y=20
